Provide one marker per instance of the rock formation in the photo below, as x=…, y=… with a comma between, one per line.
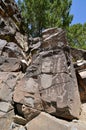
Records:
x=39, y=90
x=79, y=58
x=50, y=82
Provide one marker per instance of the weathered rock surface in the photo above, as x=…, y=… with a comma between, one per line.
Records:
x=5, y=120
x=9, y=64
x=80, y=68
x=78, y=54
x=83, y=112
x=12, y=51
x=50, y=83
x=8, y=80
x=46, y=122
x=19, y=120
x=11, y=26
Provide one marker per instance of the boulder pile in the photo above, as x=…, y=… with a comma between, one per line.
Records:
x=42, y=80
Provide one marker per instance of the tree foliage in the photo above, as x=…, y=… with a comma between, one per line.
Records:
x=77, y=35
x=41, y=14
x=60, y=13
x=35, y=13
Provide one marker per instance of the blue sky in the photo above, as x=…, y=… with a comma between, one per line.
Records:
x=78, y=9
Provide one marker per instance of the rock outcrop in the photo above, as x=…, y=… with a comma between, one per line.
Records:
x=38, y=90
x=11, y=27
x=50, y=83
x=13, y=45
x=79, y=56
x=48, y=122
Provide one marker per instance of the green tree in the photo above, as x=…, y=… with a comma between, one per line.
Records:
x=77, y=35
x=41, y=14
x=60, y=13
x=35, y=14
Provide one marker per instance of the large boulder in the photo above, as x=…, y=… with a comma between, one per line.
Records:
x=50, y=83
x=78, y=54
x=8, y=81
x=80, y=68
x=9, y=64
x=5, y=120
x=46, y=122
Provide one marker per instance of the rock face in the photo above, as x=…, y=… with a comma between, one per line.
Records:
x=11, y=24
x=80, y=68
x=78, y=54
x=12, y=51
x=50, y=83
x=47, y=122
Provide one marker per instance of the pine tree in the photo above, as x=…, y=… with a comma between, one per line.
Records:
x=41, y=14
x=77, y=35
x=60, y=13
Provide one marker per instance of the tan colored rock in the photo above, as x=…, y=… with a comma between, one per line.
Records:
x=7, y=84
x=83, y=74
x=46, y=122
x=2, y=45
x=22, y=41
x=19, y=120
x=29, y=113
x=83, y=112
x=5, y=107
x=11, y=26
x=9, y=64
x=12, y=50
x=5, y=120
x=78, y=54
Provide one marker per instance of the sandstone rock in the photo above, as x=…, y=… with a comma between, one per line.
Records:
x=78, y=54
x=83, y=112
x=2, y=45
x=19, y=120
x=29, y=113
x=50, y=83
x=14, y=126
x=80, y=125
x=82, y=87
x=80, y=67
x=12, y=50
x=11, y=26
x=22, y=41
x=9, y=64
x=5, y=121
x=5, y=107
x=13, y=45
x=7, y=84
x=83, y=74
x=20, y=128
x=46, y=122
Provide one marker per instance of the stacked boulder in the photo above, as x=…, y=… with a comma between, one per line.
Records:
x=13, y=44
x=79, y=58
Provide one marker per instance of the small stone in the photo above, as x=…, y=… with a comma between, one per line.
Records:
x=19, y=120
